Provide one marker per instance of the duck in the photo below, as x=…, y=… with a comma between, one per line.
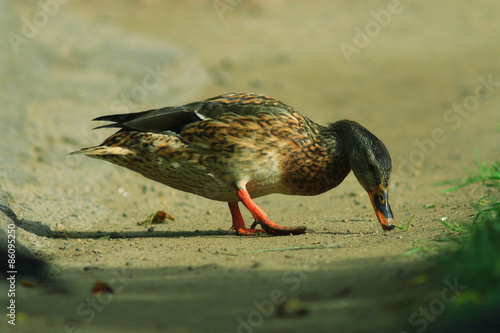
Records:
x=237, y=147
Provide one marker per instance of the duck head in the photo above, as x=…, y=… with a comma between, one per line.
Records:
x=371, y=163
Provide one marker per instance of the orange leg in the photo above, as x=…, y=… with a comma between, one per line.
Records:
x=238, y=223
x=261, y=217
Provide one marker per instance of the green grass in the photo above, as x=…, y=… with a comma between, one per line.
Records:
x=453, y=227
x=475, y=262
x=408, y=224
x=487, y=174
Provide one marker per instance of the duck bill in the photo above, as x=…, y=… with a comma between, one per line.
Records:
x=380, y=202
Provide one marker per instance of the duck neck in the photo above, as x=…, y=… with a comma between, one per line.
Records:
x=345, y=134
x=321, y=164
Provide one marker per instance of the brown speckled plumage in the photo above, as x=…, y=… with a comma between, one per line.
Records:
x=237, y=142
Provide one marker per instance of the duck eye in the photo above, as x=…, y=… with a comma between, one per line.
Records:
x=371, y=167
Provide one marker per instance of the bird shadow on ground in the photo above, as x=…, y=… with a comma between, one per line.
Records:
x=40, y=229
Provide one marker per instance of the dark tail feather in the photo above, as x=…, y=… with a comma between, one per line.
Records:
x=122, y=118
x=119, y=120
x=114, y=125
x=169, y=118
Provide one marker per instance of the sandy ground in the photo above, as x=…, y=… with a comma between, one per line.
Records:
x=424, y=76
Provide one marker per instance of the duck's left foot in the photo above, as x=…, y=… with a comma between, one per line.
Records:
x=276, y=229
x=260, y=217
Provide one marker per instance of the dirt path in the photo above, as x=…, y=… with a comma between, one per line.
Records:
x=425, y=79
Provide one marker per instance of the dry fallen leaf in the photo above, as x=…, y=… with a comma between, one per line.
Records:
x=101, y=288
x=27, y=283
x=158, y=218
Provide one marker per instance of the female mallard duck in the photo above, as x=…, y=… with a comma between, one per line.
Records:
x=236, y=147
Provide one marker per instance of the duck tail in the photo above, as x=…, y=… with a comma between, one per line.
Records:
x=100, y=151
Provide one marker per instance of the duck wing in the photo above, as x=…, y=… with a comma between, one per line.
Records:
x=175, y=118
